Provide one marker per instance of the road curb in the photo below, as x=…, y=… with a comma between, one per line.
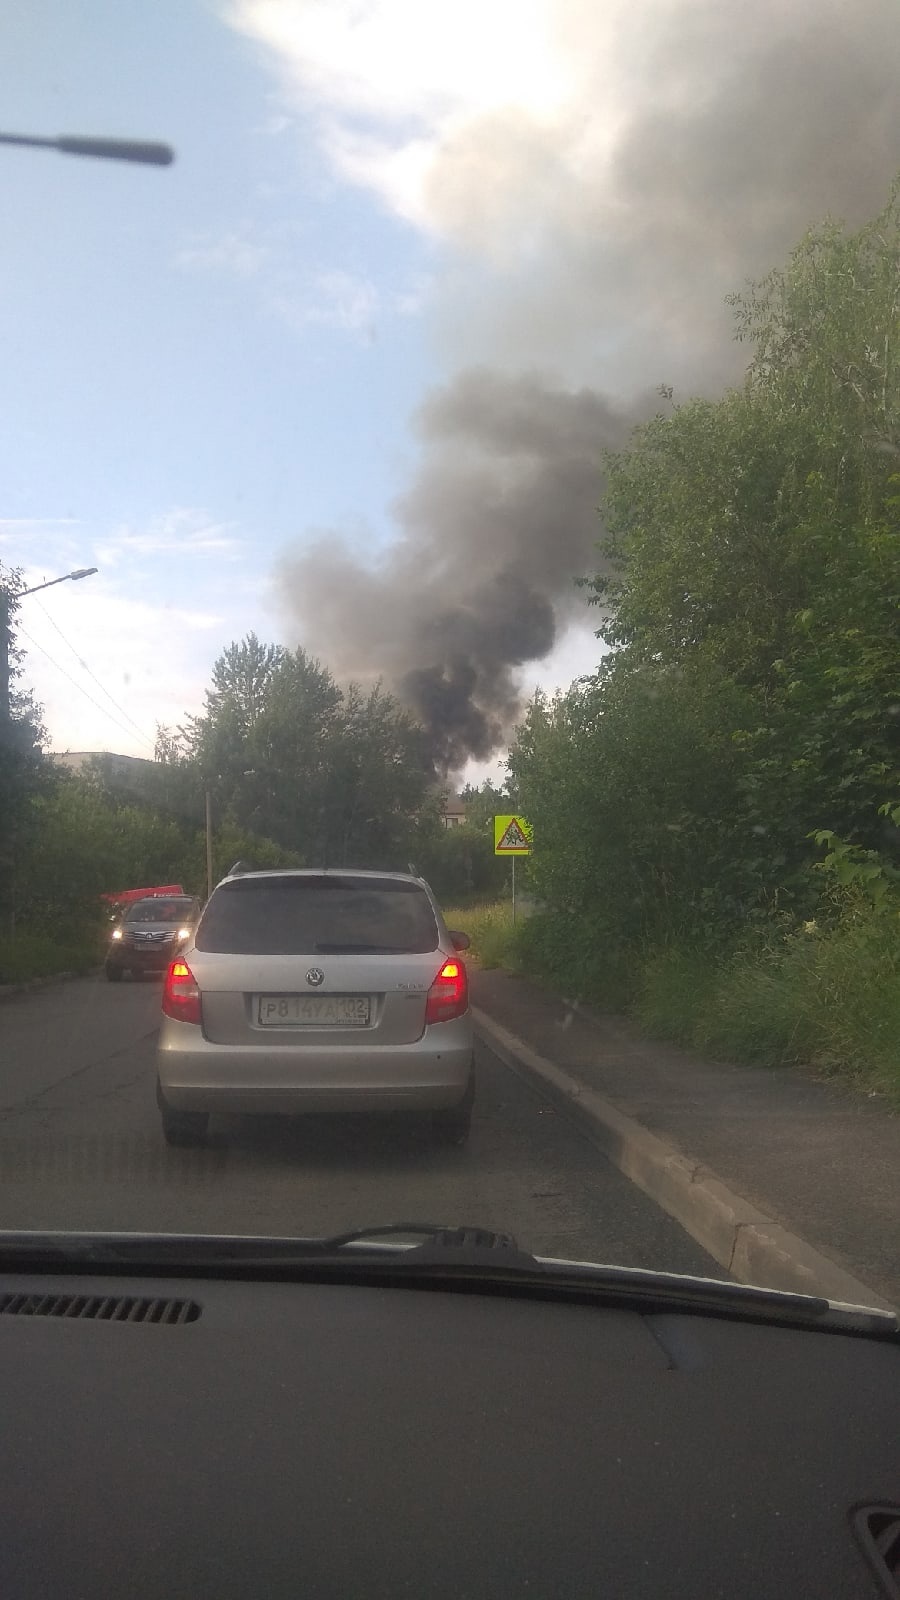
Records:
x=750, y=1245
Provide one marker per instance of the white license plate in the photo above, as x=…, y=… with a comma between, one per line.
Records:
x=312, y=1010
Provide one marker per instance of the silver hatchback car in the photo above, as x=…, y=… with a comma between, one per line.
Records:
x=317, y=991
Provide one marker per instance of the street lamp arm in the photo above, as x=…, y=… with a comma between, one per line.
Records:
x=80, y=572
x=146, y=152
x=7, y=599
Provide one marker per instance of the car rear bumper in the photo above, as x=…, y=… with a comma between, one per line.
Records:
x=431, y=1074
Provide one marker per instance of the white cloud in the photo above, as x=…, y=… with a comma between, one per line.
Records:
x=605, y=170
x=399, y=60
x=394, y=83
x=110, y=657
x=182, y=531
x=12, y=525
x=330, y=299
x=417, y=298
x=233, y=254
x=334, y=298
x=18, y=534
x=576, y=655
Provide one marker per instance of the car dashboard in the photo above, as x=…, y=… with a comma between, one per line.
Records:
x=284, y=1436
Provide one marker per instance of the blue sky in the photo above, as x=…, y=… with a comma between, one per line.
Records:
x=201, y=364
x=208, y=367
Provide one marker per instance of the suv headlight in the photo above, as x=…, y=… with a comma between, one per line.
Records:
x=117, y=933
x=184, y=933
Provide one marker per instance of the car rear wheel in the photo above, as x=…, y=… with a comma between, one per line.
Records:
x=113, y=972
x=451, y=1125
x=181, y=1127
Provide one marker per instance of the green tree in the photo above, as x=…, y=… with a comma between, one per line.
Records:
x=378, y=782
x=79, y=845
x=484, y=803
x=335, y=775
x=759, y=539
x=24, y=773
x=750, y=596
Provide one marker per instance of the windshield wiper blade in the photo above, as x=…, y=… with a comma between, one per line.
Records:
x=471, y=1258
x=484, y=1258
x=177, y=1248
x=451, y=1234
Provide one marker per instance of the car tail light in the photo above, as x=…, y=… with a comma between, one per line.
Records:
x=181, y=996
x=449, y=994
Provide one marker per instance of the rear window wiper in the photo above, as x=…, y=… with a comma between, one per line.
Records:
x=365, y=950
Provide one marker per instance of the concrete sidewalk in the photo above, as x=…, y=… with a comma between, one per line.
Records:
x=787, y=1181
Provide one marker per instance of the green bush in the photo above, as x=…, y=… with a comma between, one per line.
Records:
x=490, y=928
x=824, y=996
x=675, y=987
x=38, y=955
x=575, y=954
x=746, y=713
x=460, y=864
x=561, y=952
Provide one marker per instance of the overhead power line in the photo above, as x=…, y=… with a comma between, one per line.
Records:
x=141, y=732
x=75, y=684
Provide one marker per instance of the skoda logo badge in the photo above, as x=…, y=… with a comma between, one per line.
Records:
x=315, y=977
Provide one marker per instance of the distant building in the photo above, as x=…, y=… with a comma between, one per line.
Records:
x=454, y=811
x=121, y=772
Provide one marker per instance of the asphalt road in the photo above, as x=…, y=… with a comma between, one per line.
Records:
x=81, y=1148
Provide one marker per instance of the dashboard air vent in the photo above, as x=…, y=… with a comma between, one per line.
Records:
x=98, y=1307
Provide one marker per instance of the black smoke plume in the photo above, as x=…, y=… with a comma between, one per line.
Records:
x=596, y=275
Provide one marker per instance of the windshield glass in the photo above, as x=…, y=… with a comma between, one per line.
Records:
x=160, y=911
x=449, y=550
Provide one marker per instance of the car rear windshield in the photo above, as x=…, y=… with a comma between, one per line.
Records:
x=160, y=911
x=318, y=916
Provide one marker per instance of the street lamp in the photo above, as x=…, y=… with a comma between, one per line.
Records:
x=80, y=572
x=145, y=152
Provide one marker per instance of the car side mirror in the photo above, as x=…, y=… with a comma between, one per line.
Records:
x=461, y=941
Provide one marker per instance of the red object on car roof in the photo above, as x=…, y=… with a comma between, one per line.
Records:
x=125, y=896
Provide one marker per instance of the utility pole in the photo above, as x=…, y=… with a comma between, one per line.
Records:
x=248, y=772
x=209, y=845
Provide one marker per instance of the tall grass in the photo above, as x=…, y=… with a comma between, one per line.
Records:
x=827, y=997
x=38, y=955
x=490, y=928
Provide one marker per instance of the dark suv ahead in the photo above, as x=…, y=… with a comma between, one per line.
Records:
x=150, y=933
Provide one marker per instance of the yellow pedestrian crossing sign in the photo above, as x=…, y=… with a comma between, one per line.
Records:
x=512, y=836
